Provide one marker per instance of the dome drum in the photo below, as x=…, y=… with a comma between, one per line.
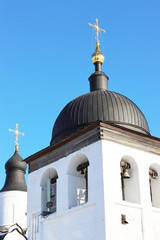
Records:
x=98, y=81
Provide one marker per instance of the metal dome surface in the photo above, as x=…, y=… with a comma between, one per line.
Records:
x=15, y=174
x=103, y=105
x=15, y=162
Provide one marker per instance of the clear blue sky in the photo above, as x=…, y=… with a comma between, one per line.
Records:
x=45, y=61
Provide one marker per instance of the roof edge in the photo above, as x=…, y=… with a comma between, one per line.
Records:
x=85, y=130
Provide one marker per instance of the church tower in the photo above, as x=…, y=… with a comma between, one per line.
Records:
x=99, y=178
x=13, y=196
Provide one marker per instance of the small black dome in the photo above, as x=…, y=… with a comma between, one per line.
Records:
x=15, y=174
x=102, y=105
x=15, y=162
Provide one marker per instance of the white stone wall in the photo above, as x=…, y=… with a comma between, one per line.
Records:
x=69, y=223
x=143, y=219
x=13, y=208
x=100, y=217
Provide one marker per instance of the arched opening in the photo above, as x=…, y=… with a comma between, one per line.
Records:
x=49, y=191
x=154, y=185
x=129, y=180
x=78, y=180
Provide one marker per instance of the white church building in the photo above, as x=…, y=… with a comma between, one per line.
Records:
x=13, y=200
x=100, y=177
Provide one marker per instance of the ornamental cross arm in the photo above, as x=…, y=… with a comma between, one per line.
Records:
x=97, y=28
x=17, y=133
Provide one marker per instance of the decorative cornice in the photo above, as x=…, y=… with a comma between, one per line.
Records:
x=88, y=135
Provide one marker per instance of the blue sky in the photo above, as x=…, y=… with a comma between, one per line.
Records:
x=45, y=61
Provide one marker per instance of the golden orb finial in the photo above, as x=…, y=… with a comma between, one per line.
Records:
x=97, y=56
x=16, y=148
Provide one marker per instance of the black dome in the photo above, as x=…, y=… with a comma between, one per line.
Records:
x=102, y=105
x=15, y=162
x=15, y=174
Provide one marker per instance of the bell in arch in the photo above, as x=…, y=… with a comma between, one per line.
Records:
x=126, y=173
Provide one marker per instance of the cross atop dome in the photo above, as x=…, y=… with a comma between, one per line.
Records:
x=97, y=56
x=16, y=132
x=98, y=29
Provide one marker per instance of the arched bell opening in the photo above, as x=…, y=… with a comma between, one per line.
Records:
x=49, y=191
x=78, y=180
x=154, y=185
x=129, y=180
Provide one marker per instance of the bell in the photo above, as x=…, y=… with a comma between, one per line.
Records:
x=126, y=173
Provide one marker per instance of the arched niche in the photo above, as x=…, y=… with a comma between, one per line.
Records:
x=154, y=184
x=49, y=191
x=78, y=180
x=130, y=182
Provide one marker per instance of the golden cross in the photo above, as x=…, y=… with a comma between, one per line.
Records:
x=98, y=29
x=17, y=133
